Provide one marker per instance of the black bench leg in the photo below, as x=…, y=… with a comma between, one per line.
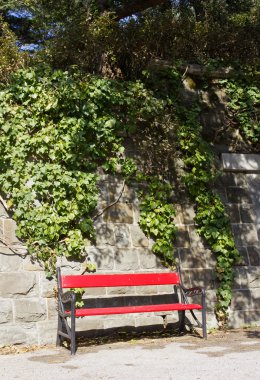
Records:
x=58, y=340
x=204, y=323
x=73, y=327
x=182, y=321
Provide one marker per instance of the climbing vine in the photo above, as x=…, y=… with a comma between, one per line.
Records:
x=56, y=129
x=157, y=214
x=211, y=217
x=243, y=104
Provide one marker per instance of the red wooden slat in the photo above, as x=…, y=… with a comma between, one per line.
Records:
x=110, y=280
x=135, y=309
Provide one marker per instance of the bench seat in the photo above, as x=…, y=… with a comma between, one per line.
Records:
x=134, y=309
x=67, y=300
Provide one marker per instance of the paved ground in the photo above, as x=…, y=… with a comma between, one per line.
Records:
x=231, y=355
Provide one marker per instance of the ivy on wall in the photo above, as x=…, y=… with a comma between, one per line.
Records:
x=157, y=214
x=243, y=104
x=211, y=218
x=56, y=128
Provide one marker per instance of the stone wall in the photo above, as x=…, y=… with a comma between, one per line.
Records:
x=27, y=299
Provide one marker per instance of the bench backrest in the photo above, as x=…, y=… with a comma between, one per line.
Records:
x=113, y=280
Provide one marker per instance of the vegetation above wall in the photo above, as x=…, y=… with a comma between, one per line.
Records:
x=61, y=122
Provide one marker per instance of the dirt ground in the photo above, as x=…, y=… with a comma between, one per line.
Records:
x=232, y=340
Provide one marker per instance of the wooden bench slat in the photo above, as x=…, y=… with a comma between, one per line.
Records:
x=113, y=280
x=135, y=309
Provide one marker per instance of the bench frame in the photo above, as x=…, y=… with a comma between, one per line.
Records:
x=119, y=280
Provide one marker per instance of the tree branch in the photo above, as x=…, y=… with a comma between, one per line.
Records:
x=130, y=7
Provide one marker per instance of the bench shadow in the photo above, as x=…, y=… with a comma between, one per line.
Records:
x=129, y=333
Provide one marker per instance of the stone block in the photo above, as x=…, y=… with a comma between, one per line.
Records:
x=253, y=275
x=102, y=257
x=212, y=322
x=3, y=212
x=122, y=236
x=126, y=259
x=119, y=213
x=196, y=241
x=69, y=266
x=171, y=318
x=240, y=162
x=238, y=195
x=105, y=234
x=118, y=321
x=221, y=192
x=243, y=318
x=188, y=213
x=95, y=292
x=136, y=214
x=114, y=190
x=9, y=262
x=47, y=286
x=121, y=290
x=31, y=265
x=103, y=191
x=238, y=318
x=146, y=290
x=191, y=258
x=1, y=228
x=99, y=212
x=128, y=196
x=240, y=280
x=138, y=237
x=185, y=275
x=245, y=234
x=52, y=307
x=203, y=277
x=241, y=300
x=178, y=219
x=254, y=255
x=244, y=257
x=90, y=323
x=247, y=213
x=182, y=239
x=148, y=260
x=15, y=285
x=144, y=320
x=18, y=334
x=211, y=300
x=30, y=310
x=6, y=312
x=227, y=180
x=255, y=294
x=166, y=289
x=9, y=235
x=47, y=332
x=233, y=212
x=210, y=258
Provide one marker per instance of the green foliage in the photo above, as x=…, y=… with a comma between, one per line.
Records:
x=97, y=42
x=10, y=58
x=56, y=129
x=244, y=99
x=214, y=226
x=157, y=219
x=211, y=218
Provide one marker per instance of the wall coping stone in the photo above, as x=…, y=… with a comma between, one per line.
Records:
x=240, y=162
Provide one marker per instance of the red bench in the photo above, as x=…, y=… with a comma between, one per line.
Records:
x=121, y=280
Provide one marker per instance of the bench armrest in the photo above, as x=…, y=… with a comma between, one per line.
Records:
x=66, y=297
x=190, y=292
